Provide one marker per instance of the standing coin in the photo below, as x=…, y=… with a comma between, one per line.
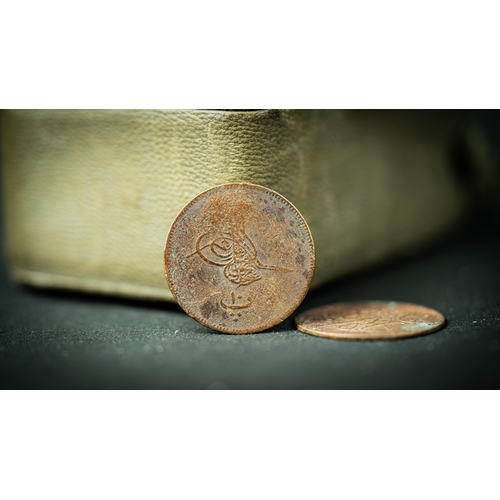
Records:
x=239, y=258
x=372, y=320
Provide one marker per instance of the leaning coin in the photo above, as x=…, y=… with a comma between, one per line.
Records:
x=239, y=258
x=374, y=320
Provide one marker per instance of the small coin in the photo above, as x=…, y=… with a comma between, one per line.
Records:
x=374, y=320
x=239, y=258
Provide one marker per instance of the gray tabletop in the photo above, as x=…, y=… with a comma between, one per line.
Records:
x=76, y=341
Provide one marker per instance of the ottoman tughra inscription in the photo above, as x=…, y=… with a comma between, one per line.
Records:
x=236, y=253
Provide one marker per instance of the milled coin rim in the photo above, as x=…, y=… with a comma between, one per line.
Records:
x=289, y=311
x=365, y=337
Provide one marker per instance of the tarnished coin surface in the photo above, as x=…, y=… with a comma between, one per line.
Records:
x=239, y=258
x=374, y=320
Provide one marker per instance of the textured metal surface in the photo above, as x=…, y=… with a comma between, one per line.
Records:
x=239, y=258
x=372, y=320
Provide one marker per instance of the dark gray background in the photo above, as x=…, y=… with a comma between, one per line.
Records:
x=69, y=341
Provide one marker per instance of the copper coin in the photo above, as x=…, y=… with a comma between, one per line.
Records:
x=374, y=320
x=239, y=258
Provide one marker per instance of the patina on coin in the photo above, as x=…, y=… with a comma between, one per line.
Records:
x=239, y=258
x=374, y=320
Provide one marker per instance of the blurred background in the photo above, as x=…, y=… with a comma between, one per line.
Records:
x=61, y=339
